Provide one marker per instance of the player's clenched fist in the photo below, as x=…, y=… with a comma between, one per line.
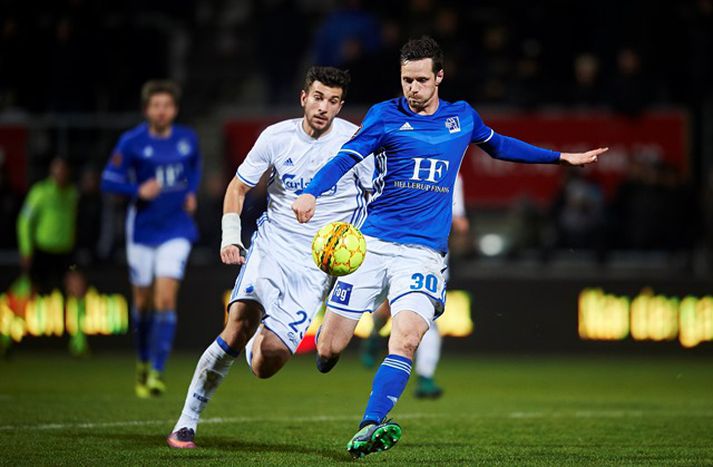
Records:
x=230, y=254
x=303, y=208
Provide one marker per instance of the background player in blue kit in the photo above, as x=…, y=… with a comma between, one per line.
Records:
x=158, y=165
x=419, y=142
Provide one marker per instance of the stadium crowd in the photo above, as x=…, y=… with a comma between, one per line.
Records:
x=76, y=56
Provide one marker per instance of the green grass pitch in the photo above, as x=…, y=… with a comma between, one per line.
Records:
x=497, y=410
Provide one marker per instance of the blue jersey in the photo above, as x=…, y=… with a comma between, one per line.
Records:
x=175, y=162
x=417, y=159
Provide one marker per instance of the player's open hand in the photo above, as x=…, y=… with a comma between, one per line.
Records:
x=190, y=204
x=582, y=158
x=149, y=190
x=230, y=254
x=303, y=208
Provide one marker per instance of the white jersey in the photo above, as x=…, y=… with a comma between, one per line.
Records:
x=294, y=158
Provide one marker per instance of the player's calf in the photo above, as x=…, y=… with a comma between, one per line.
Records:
x=327, y=358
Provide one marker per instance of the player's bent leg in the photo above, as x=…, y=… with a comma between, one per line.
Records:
x=142, y=318
x=165, y=291
x=269, y=354
x=332, y=338
x=212, y=367
x=408, y=327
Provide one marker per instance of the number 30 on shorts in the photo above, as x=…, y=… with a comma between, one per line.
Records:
x=419, y=281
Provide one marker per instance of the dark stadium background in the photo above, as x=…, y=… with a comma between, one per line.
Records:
x=566, y=74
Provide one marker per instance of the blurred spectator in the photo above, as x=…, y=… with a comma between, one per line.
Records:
x=210, y=211
x=46, y=228
x=89, y=216
x=630, y=89
x=345, y=28
x=578, y=213
x=586, y=90
x=9, y=208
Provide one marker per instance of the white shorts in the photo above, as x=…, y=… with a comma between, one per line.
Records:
x=165, y=260
x=411, y=277
x=291, y=291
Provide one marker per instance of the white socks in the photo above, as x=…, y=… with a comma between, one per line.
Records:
x=210, y=371
x=429, y=352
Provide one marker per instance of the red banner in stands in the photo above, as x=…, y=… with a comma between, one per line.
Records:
x=657, y=137
x=13, y=156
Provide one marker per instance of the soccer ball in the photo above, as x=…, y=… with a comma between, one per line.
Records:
x=338, y=248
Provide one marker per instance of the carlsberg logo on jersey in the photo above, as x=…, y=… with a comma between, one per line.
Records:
x=292, y=183
x=432, y=169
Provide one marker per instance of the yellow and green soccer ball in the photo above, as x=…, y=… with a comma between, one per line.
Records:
x=338, y=248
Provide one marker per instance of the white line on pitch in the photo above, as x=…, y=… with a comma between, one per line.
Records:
x=214, y=420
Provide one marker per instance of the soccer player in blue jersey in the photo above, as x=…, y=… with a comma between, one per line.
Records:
x=419, y=141
x=158, y=165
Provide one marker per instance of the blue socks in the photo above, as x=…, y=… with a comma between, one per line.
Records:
x=164, y=329
x=142, y=333
x=389, y=382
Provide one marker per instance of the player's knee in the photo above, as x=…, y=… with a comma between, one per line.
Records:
x=405, y=344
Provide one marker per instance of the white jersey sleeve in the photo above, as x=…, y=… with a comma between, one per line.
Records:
x=458, y=198
x=365, y=173
x=258, y=160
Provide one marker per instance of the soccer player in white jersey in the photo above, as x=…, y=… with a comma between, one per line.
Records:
x=418, y=142
x=157, y=164
x=279, y=288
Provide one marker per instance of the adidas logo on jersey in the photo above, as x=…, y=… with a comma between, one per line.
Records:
x=406, y=126
x=289, y=162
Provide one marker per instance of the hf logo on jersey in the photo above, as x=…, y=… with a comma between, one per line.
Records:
x=342, y=293
x=453, y=124
x=429, y=170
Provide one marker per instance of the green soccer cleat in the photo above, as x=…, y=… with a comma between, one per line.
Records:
x=374, y=438
x=155, y=383
x=427, y=389
x=142, y=372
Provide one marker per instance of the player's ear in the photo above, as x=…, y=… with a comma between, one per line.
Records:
x=439, y=77
x=303, y=98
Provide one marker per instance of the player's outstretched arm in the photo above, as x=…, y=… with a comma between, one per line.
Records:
x=231, y=245
x=303, y=207
x=328, y=176
x=581, y=158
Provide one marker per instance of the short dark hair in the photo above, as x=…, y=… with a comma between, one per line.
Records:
x=159, y=86
x=419, y=49
x=329, y=76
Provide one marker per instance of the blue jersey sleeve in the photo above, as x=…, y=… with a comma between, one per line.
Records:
x=367, y=138
x=116, y=177
x=329, y=175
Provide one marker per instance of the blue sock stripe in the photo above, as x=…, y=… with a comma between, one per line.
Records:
x=226, y=348
x=400, y=368
x=165, y=317
x=397, y=363
x=400, y=358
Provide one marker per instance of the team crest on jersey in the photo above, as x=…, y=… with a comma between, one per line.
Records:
x=453, y=124
x=148, y=152
x=117, y=159
x=184, y=147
